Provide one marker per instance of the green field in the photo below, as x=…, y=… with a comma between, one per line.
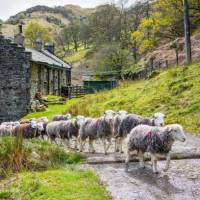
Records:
x=175, y=92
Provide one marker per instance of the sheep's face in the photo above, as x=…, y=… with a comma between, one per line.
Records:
x=40, y=126
x=80, y=120
x=159, y=119
x=33, y=124
x=122, y=114
x=67, y=116
x=109, y=115
x=177, y=132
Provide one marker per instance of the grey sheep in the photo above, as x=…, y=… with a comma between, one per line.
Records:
x=155, y=140
x=62, y=117
x=70, y=129
x=132, y=120
x=116, y=124
x=99, y=128
x=64, y=129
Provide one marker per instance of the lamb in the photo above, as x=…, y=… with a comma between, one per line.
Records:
x=116, y=123
x=99, y=128
x=62, y=117
x=28, y=130
x=132, y=120
x=155, y=140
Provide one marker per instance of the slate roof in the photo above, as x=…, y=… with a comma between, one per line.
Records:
x=47, y=58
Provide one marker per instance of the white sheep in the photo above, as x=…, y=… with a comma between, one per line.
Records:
x=6, y=128
x=155, y=140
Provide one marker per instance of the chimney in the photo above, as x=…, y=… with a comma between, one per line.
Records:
x=38, y=44
x=49, y=47
x=0, y=28
x=19, y=38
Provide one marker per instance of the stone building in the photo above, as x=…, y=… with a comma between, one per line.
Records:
x=24, y=72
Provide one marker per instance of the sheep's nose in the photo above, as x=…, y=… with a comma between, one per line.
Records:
x=184, y=139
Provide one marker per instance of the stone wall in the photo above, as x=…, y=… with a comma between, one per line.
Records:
x=14, y=80
x=47, y=80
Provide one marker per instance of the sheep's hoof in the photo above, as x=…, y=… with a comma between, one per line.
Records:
x=142, y=167
x=121, y=152
x=117, y=150
x=156, y=172
x=126, y=167
x=105, y=153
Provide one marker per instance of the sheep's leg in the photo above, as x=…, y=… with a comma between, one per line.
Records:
x=141, y=159
x=116, y=144
x=80, y=144
x=109, y=144
x=67, y=143
x=91, y=148
x=76, y=144
x=104, y=146
x=127, y=160
x=154, y=163
x=120, y=144
x=168, y=158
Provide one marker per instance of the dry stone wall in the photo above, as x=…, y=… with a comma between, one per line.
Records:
x=14, y=80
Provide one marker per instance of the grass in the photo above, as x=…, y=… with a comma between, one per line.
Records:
x=52, y=110
x=17, y=154
x=46, y=172
x=77, y=56
x=174, y=92
x=69, y=183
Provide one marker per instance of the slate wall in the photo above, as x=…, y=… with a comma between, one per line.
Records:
x=14, y=80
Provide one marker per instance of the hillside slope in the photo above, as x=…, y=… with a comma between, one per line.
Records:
x=174, y=92
x=53, y=18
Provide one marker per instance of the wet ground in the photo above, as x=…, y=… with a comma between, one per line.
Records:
x=181, y=182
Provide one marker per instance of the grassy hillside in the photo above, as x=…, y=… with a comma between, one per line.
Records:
x=53, y=18
x=175, y=92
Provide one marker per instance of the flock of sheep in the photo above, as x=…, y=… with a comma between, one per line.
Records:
x=140, y=134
